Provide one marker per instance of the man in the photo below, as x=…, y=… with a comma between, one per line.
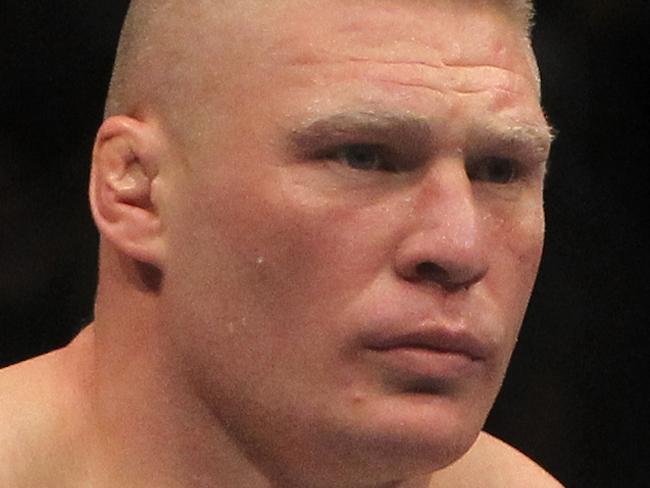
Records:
x=320, y=226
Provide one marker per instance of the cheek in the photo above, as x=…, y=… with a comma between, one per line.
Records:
x=526, y=240
x=516, y=243
x=267, y=247
x=319, y=254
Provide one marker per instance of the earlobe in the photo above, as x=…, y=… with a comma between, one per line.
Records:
x=123, y=181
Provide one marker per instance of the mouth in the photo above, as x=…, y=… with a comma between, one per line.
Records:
x=436, y=353
x=438, y=339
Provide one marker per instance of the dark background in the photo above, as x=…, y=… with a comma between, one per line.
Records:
x=574, y=399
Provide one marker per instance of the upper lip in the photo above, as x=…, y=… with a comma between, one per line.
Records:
x=435, y=337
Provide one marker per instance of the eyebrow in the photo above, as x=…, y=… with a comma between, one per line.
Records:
x=538, y=136
x=408, y=131
x=369, y=127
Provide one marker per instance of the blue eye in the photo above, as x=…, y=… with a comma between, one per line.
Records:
x=493, y=170
x=362, y=157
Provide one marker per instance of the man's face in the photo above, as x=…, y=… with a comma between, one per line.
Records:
x=356, y=231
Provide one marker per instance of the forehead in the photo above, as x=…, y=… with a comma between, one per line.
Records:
x=439, y=30
x=413, y=36
x=303, y=58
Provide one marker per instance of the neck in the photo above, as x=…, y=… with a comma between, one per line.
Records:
x=148, y=426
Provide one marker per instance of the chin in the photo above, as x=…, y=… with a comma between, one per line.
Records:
x=377, y=441
x=404, y=437
x=432, y=440
x=390, y=459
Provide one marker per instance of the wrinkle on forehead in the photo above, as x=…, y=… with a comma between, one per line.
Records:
x=406, y=38
x=413, y=63
x=462, y=78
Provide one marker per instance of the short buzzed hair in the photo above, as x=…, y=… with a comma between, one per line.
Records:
x=135, y=83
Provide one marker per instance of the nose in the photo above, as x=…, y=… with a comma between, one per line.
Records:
x=446, y=243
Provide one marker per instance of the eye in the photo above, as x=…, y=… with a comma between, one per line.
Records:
x=362, y=157
x=493, y=170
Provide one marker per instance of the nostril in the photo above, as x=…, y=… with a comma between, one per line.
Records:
x=430, y=259
x=449, y=280
x=429, y=271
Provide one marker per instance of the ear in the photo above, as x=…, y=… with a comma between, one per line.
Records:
x=123, y=179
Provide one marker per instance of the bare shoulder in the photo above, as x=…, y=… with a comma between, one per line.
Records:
x=25, y=418
x=34, y=417
x=25, y=389
x=491, y=463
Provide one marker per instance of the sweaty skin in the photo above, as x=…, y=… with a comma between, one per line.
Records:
x=308, y=182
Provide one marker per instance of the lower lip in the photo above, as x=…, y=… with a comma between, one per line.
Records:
x=428, y=363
